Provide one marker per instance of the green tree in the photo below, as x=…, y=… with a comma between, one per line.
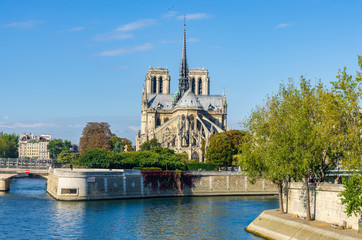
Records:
x=118, y=148
x=56, y=146
x=67, y=156
x=150, y=144
x=97, y=158
x=219, y=150
x=9, y=145
x=348, y=88
x=236, y=137
x=351, y=196
x=95, y=135
x=298, y=134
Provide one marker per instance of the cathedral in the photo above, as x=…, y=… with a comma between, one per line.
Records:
x=181, y=121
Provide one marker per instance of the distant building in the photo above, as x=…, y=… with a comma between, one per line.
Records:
x=34, y=146
x=181, y=121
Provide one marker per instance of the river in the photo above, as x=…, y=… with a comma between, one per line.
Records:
x=28, y=212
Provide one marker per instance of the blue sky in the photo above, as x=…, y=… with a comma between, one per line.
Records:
x=66, y=63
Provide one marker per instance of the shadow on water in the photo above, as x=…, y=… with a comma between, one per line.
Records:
x=37, y=216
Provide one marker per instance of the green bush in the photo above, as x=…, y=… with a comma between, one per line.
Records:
x=203, y=166
x=158, y=158
x=147, y=168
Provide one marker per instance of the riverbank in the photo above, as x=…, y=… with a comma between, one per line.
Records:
x=102, y=184
x=272, y=225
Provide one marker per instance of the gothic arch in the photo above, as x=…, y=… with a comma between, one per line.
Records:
x=160, y=85
x=193, y=85
x=200, y=86
x=195, y=156
x=153, y=85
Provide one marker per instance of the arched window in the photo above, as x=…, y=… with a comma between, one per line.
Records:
x=193, y=85
x=160, y=84
x=200, y=86
x=158, y=122
x=153, y=85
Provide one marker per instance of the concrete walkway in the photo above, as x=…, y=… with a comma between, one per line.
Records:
x=273, y=225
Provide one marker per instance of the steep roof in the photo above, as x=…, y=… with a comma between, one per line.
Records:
x=189, y=99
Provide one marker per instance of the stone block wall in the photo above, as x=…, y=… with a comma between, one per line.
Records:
x=325, y=204
x=92, y=184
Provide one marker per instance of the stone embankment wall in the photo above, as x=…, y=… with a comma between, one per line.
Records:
x=96, y=184
x=325, y=204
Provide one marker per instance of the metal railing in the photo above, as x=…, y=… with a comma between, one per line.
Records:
x=27, y=163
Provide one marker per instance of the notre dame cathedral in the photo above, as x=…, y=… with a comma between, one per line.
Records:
x=181, y=121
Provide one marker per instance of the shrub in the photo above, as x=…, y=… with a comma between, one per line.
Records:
x=203, y=166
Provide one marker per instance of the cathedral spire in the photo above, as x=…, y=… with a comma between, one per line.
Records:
x=183, y=80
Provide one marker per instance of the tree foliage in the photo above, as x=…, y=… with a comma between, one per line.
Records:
x=220, y=150
x=67, y=156
x=95, y=135
x=349, y=88
x=150, y=144
x=9, y=145
x=158, y=157
x=351, y=196
x=56, y=146
x=301, y=132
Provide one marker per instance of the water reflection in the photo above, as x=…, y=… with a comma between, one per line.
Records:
x=27, y=212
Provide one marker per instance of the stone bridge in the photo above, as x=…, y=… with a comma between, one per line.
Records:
x=6, y=174
x=14, y=167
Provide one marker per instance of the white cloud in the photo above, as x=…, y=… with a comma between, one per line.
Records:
x=134, y=128
x=195, y=16
x=115, y=52
x=112, y=36
x=144, y=47
x=75, y=29
x=27, y=125
x=115, y=68
x=122, y=51
x=167, y=41
x=170, y=14
x=6, y=117
x=23, y=25
x=122, y=32
x=193, y=40
x=136, y=25
x=282, y=25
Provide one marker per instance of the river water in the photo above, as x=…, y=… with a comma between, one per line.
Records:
x=28, y=212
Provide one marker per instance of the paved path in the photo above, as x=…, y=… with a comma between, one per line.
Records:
x=274, y=225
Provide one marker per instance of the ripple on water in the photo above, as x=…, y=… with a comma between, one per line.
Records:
x=27, y=212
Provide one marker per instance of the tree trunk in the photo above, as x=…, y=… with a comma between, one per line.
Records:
x=307, y=200
x=280, y=190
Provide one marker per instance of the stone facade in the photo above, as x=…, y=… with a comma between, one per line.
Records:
x=181, y=121
x=98, y=184
x=325, y=204
x=34, y=146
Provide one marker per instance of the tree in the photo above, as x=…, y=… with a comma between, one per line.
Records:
x=236, y=137
x=67, y=156
x=95, y=135
x=9, y=145
x=150, y=144
x=349, y=88
x=351, y=196
x=220, y=150
x=125, y=144
x=117, y=148
x=296, y=134
x=56, y=146
x=128, y=145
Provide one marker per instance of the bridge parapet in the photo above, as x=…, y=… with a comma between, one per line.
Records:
x=27, y=163
x=7, y=173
